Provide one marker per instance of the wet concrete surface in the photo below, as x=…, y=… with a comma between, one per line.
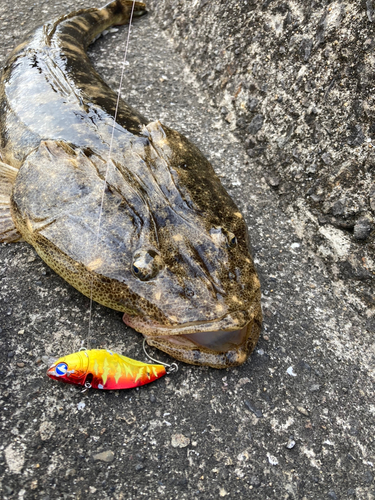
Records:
x=295, y=421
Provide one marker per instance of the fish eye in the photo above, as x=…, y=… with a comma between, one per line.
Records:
x=231, y=239
x=146, y=264
x=221, y=235
x=61, y=369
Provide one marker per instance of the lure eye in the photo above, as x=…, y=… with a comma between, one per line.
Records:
x=146, y=264
x=61, y=369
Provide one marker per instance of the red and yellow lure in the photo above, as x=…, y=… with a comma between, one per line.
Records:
x=104, y=369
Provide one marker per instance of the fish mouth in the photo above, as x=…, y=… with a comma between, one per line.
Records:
x=219, y=344
x=218, y=349
x=217, y=341
x=235, y=320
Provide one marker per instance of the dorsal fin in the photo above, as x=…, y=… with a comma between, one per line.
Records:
x=8, y=231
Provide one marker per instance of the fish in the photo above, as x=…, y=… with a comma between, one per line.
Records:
x=148, y=230
x=104, y=369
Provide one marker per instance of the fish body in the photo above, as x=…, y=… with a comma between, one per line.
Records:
x=104, y=369
x=173, y=248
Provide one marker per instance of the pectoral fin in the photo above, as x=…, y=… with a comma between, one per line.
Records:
x=8, y=230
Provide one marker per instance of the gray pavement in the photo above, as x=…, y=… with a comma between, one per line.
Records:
x=295, y=421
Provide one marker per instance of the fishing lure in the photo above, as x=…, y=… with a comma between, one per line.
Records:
x=104, y=369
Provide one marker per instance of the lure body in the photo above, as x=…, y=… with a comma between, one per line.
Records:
x=104, y=369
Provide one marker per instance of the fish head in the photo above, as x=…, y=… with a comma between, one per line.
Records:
x=198, y=294
x=173, y=249
x=71, y=368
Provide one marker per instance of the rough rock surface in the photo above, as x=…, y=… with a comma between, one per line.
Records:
x=295, y=81
x=296, y=421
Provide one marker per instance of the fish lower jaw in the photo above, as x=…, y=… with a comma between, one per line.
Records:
x=221, y=349
x=219, y=344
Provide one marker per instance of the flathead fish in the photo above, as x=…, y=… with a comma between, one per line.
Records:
x=173, y=248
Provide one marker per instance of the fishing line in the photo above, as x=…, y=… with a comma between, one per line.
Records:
x=107, y=169
x=172, y=368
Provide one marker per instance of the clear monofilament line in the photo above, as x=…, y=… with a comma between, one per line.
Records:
x=108, y=161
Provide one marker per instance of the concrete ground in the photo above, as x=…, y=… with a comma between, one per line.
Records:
x=295, y=421
x=294, y=79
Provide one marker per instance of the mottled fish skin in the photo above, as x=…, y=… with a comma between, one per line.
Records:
x=173, y=251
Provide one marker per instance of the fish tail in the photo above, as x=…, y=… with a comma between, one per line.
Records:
x=8, y=230
x=120, y=11
x=125, y=8
x=82, y=27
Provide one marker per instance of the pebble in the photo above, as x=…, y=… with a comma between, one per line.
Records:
x=243, y=381
x=21, y=365
x=252, y=104
x=338, y=208
x=179, y=441
x=139, y=467
x=257, y=412
x=327, y=158
x=274, y=181
x=311, y=169
x=272, y=460
x=314, y=388
x=105, y=456
x=362, y=229
x=302, y=410
x=46, y=430
x=256, y=124
x=315, y=198
x=356, y=137
x=290, y=444
x=291, y=372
